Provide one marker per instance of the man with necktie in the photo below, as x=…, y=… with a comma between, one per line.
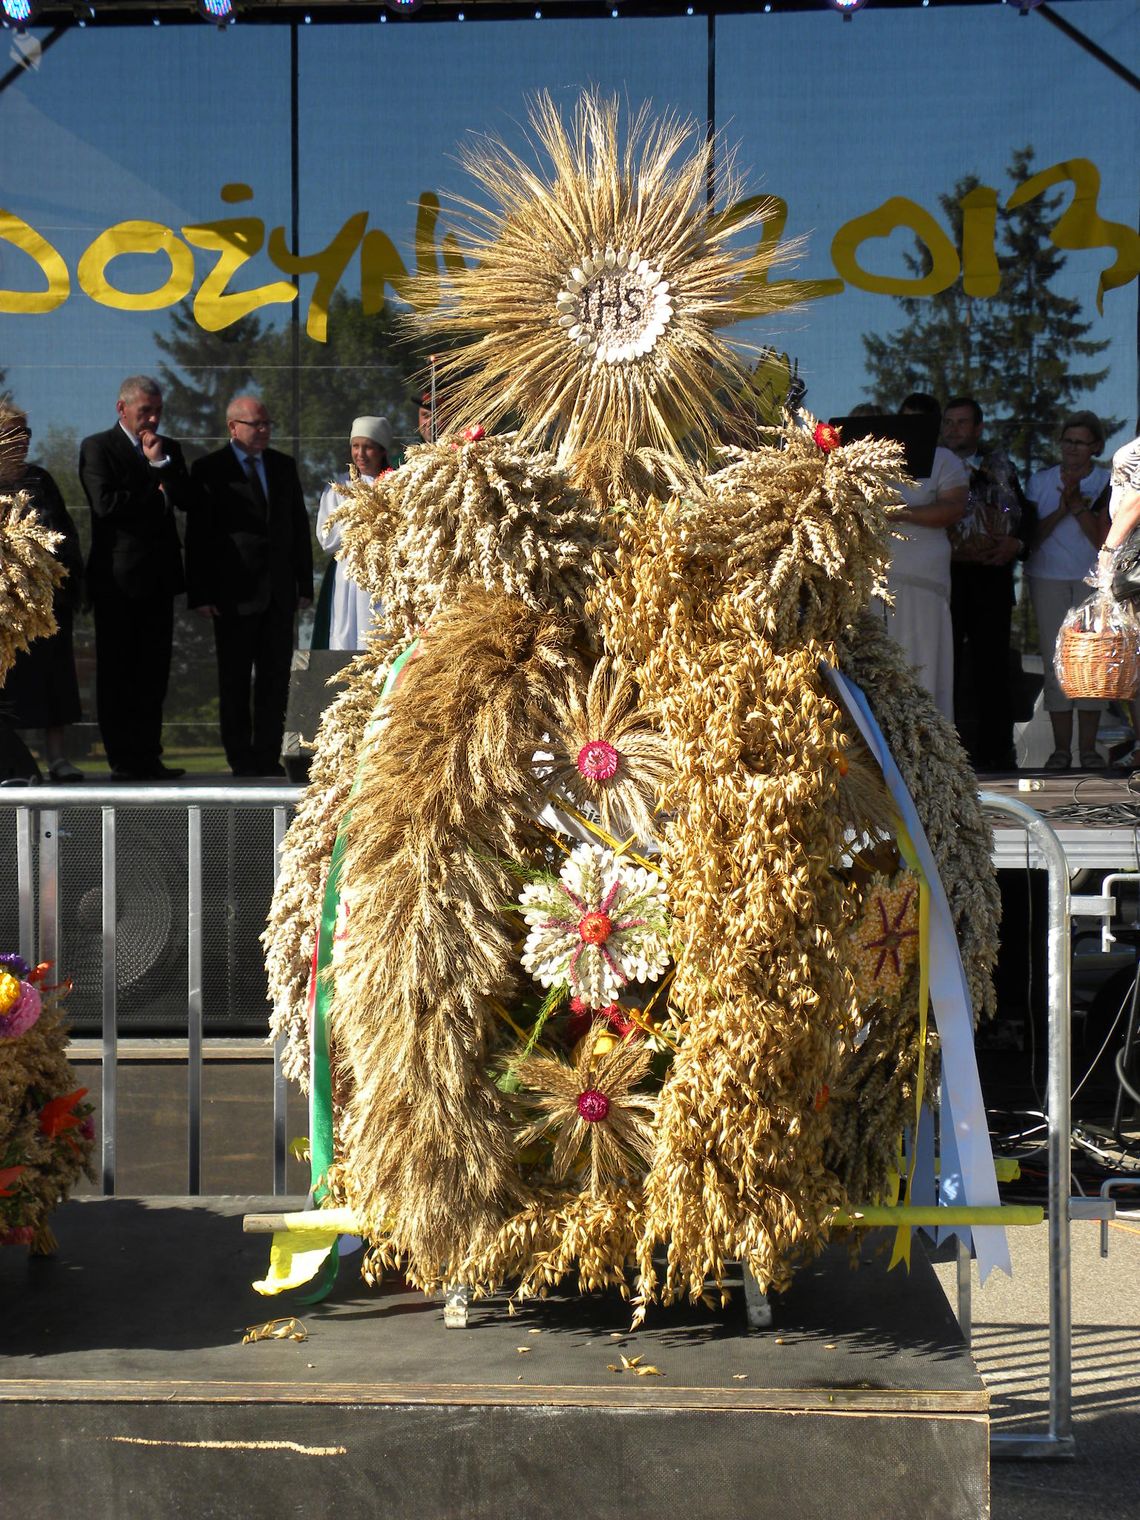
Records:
x=249, y=568
x=134, y=480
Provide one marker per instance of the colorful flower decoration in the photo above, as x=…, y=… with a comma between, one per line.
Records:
x=600, y=926
x=591, y=1103
x=888, y=931
x=16, y=964
x=826, y=436
x=63, y=1113
x=607, y=756
x=8, y=1177
x=20, y=1006
x=582, y=1017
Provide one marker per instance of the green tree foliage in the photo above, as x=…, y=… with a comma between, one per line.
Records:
x=204, y=370
x=313, y=391
x=1017, y=353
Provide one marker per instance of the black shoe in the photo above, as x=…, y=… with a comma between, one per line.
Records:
x=155, y=772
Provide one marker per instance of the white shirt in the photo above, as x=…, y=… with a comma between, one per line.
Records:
x=920, y=556
x=1066, y=555
x=1125, y=474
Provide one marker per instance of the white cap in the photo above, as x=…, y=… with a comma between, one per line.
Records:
x=378, y=429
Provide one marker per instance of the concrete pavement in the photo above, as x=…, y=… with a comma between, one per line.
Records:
x=1011, y=1348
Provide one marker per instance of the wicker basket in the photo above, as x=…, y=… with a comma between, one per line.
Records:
x=1105, y=663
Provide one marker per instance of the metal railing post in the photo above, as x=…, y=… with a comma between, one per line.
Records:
x=1059, y=1439
x=194, y=1000
x=49, y=888
x=280, y=1087
x=109, y=1117
x=25, y=885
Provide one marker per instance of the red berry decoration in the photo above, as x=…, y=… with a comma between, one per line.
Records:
x=593, y=1106
x=594, y=928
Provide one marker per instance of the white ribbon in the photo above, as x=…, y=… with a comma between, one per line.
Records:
x=967, y=1172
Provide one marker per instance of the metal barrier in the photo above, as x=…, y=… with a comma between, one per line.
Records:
x=38, y=808
x=1058, y=1440
x=38, y=813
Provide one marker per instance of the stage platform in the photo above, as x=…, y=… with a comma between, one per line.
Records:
x=125, y=1389
x=1096, y=816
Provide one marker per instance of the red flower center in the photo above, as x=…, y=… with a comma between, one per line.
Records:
x=598, y=760
x=594, y=928
x=826, y=437
x=593, y=1105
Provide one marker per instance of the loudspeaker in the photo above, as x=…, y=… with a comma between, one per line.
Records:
x=313, y=684
x=151, y=915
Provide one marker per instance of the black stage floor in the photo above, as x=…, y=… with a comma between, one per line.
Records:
x=123, y=1377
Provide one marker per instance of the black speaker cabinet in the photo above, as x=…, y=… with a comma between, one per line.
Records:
x=151, y=950
x=315, y=679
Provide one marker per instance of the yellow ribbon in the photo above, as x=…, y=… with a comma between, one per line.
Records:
x=901, y=1250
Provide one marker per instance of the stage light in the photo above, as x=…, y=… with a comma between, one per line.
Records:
x=18, y=13
x=847, y=8
x=220, y=12
x=403, y=7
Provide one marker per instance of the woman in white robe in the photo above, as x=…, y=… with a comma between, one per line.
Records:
x=353, y=613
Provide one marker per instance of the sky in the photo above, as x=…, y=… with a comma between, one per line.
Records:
x=835, y=117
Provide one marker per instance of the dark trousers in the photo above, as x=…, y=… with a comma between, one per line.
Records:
x=981, y=609
x=133, y=640
x=254, y=651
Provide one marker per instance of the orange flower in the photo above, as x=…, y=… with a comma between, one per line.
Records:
x=826, y=436
x=59, y=1115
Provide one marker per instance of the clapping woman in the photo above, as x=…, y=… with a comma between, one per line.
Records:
x=1071, y=499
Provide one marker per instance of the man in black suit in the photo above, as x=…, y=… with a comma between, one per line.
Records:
x=134, y=479
x=249, y=567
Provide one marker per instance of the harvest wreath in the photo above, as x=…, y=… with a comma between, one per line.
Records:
x=633, y=855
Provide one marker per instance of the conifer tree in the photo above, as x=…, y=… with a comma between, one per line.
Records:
x=1018, y=353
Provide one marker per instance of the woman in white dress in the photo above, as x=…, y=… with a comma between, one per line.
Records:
x=353, y=614
x=919, y=574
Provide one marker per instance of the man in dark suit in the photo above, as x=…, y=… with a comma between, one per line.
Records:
x=249, y=567
x=134, y=479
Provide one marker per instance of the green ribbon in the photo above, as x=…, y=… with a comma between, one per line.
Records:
x=320, y=1070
